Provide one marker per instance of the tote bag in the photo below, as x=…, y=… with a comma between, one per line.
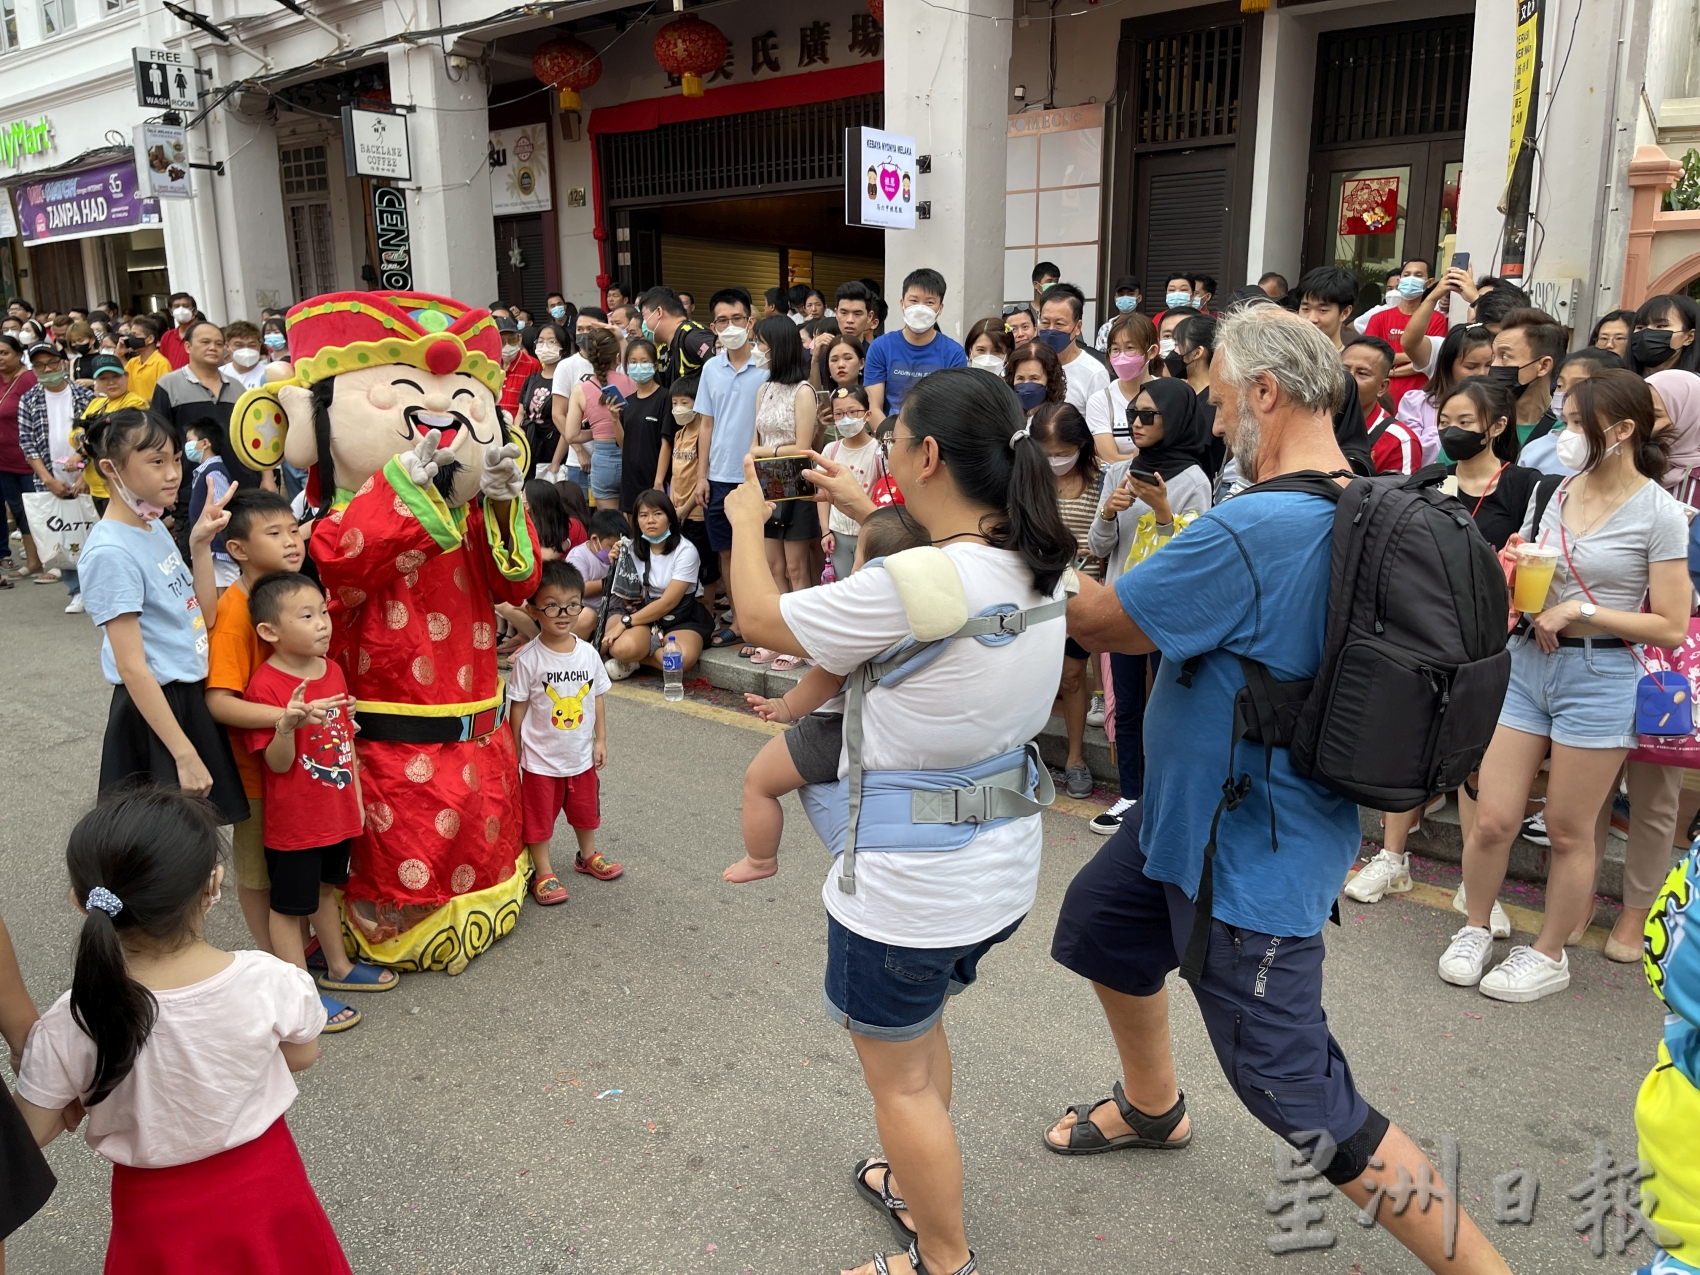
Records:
x=1673, y=750
x=59, y=526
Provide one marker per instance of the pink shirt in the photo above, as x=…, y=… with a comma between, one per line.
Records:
x=597, y=419
x=210, y=1077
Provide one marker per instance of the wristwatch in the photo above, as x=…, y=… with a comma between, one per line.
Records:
x=1589, y=610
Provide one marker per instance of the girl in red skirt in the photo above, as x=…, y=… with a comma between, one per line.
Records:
x=181, y=1054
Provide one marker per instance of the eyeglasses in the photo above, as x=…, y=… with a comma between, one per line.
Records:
x=725, y=321
x=553, y=609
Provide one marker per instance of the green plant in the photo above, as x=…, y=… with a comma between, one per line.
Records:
x=1686, y=193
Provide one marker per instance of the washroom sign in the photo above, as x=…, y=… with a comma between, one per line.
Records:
x=395, y=252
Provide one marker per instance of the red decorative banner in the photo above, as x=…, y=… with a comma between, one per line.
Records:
x=1369, y=205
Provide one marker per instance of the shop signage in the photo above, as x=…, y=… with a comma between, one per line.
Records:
x=389, y=222
x=879, y=179
x=8, y=223
x=25, y=137
x=165, y=79
x=1525, y=51
x=1369, y=205
x=97, y=201
x=374, y=144
x=162, y=161
x=519, y=170
x=1061, y=120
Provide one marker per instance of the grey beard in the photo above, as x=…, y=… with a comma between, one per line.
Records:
x=1244, y=444
x=444, y=482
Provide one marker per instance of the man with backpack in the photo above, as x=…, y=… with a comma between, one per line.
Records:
x=1253, y=606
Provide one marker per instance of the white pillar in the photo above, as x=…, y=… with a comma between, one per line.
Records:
x=1280, y=157
x=946, y=85
x=248, y=208
x=450, y=224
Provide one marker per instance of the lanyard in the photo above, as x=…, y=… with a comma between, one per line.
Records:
x=1488, y=490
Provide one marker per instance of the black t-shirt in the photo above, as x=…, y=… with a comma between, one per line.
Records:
x=1349, y=431
x=535, y=400
x=1501, y=511
x=641, y=452
x=692, y=346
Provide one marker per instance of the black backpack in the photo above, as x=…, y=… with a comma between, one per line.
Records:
x=1414, y=666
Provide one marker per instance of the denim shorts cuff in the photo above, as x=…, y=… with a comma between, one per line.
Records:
x=1593, y=741
x=1542, y=729
x=898, y=1034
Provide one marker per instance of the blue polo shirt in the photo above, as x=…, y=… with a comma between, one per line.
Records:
x=729, y=395
x=897, y=365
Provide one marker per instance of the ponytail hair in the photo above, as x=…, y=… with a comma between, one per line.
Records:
x=980, y=429
x=150, y=853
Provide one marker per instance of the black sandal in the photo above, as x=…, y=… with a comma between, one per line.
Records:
x=1152, y=1132
x=914, y=1256
x=883, y=1198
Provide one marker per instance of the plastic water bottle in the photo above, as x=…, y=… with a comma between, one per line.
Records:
x=672, y=670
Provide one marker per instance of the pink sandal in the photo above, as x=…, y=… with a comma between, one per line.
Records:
x=786, y=663
x=764, y=656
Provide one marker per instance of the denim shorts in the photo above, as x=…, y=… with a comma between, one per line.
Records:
x=1579, y=696
x=605, y=471
x=896, y=993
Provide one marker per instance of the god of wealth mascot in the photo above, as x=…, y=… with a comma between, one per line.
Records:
x=421, y=529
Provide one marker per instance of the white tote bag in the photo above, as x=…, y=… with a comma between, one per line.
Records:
x=59, y=526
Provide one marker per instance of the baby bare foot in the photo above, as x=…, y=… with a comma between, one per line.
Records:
x=748, y=869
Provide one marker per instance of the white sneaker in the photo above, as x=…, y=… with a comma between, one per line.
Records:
x=75, y=606
x=1387, y=873
x=1526, y=975
x=1535, y=828
x=1466, y=959
x=1095, y=714
x=1107, y=821
x=1499, y=924
x=619, y=670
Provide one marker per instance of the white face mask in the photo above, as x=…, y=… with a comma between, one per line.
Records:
x=548, y=353
x=244, y=358
x=684, y=415
x=991, y=362
x=850, y=426
x=1062, y=464
x=510, y=353
x=758, y=356
x=918, y=318
x=1166, y=346
x=734, y=338
x=1391, y=297
x=182, y=314
x=1572, y=449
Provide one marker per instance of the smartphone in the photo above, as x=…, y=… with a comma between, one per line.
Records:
x=781, y=477
x=1461, y=261
x=612, y=397
x=1147, y=476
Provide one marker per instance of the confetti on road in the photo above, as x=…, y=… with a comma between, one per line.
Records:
x=610, y=1093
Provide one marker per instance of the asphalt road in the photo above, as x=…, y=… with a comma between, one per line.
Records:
x=643, y=1079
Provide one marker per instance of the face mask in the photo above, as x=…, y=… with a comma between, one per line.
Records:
x=1124, y=304
x=1411, y=287
x=1572, y=449
x=648, y=332
x=1031, y=394
x=146, y=510
x=1510, y=377
x=548, y=353
x=510, y=353
x=1391, y=297
x=134, y=342
x=275, y=341
x=1128, y=367
x=557, y=312
x=1166, y=346
x=522, y=324
x=602, y=555
x=684, y=415
x=182, y=314
x=244, y=358
x=758, y=356
x=1177, y=300
x=991, y=362
x=52, y=380
x=850, y=426
x=642, y=373
x=1650, y=346
x=1558, y=407
x=656, y=540
x=82, y=347
x=1062, y=464
x=1461, y=444
x=734, y=338
x=918, y=318
x=192, y=453
x=1058, y=341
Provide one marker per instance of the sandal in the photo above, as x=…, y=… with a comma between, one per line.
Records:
x=918, y=1267
x=761, y=655
x=363, y=977
x=1086, y=1138
x=333, y=1021
x=725, y=637
x=883, y=1198
x=786, y=663
x=541, y=892
x=745, y=652
x=597, y=866
x=50, y=576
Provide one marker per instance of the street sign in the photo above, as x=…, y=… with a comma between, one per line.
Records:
x=165, y=79
x=162, y=161
x=374, y=144
x=879, y=181
x=389, y=220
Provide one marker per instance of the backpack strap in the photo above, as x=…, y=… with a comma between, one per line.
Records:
x=1376, y=433
x=1544, y=488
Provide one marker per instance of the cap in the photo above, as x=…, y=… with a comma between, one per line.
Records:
x=42, y=347
x=107, y=363
x=505, y=324
x=1130, y=282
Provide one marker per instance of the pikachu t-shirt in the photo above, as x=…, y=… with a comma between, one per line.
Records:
x=562, y=690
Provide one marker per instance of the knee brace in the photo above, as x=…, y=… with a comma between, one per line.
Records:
x=1352, y=1156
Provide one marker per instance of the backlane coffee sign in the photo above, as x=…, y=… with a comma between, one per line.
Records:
x=389, y=224
x=374, y=144
x=97, y=201
x=879, y=179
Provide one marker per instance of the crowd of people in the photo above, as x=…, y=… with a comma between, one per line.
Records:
x=1072, y=516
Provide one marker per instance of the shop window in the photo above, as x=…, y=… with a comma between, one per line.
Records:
x=58, y=16
x=312, y=257
x=1051, y=191
x=1188, y=85
x=118, y=6
x=8, y=25
x=304, y=170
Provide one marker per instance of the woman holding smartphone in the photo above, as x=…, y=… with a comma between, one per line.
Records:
x=595, y=409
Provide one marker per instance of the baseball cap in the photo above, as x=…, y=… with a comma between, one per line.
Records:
x=107, y=363
x=42, y=347
x=505, y=324
x=1129, y=283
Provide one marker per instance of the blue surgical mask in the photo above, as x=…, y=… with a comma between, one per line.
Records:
x=1177, y=300
x=1411, y=287
x=275, y=340
x=558, y=312
x=1031, y=394
x=1124, y=304
x=657, y=540
x=192, y=452
x=642, y=373
x=648, y=332
x=1058, y=341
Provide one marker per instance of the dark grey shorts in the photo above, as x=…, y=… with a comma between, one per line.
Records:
x=815, y=743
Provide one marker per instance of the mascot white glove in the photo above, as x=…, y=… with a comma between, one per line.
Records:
x=502, y=478
x=422, y=463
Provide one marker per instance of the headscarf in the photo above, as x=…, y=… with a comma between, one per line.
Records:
x=1186, y=440
x=1680, y=392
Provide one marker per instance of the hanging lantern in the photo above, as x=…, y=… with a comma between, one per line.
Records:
x=877, y=8
x=568, y=65
x=690, y=48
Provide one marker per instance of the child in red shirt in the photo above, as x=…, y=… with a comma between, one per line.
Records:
x=312, y=808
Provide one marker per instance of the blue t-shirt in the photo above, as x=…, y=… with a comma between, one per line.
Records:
x=897, y=365
x=729, y=395
x=1248, y=578
x=128, y=570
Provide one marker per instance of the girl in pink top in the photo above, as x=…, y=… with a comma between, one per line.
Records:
x=181, y=1054
x=594, y=409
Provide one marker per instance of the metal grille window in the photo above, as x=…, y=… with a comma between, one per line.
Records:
x=792, y=147
x=304, y=170
x=312, y=262
x=1382, y=83
x=1187, y=86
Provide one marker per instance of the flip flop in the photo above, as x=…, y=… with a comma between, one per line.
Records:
x=362, y=978
x=746, y=652
x=548, y=898
x=333, y=1007
x=763, y=656
x=725, y=637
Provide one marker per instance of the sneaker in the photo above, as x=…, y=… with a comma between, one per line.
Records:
x=1106, y=822
x=1526, y=975
x=1095, y=714
x=1499, y=924
x=1535, y=829
x=75, y=606
x=619, y=670
x=1620, y=817
x=1466, y=958
x=1387, y=873
x=1078, y=781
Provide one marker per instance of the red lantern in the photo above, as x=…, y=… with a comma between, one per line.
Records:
x=690, y=48
x=877, y=8
x=567, y=64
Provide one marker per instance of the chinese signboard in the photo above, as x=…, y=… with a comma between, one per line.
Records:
x=25, y=137
x=374, y=144
x=98, y=201
x=389, y=221
x=879, y=179
x=1525, y=52
x=165, y=79
x=519, y=170
x=162, y=160
x=1369, y=205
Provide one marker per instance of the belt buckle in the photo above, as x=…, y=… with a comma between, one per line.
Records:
x=1011, y=623
x=972, y=804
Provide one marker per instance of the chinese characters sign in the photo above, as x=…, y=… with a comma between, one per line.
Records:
x=97, y=201
x=1369, y=205
x=879, y=179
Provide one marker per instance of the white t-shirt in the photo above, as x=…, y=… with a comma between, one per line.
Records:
x=1086, y=378
x=684, y=563
x=865, y=463
x=973, y=702
x=568, y=373
x=253, y=378
x=561, y=688
x=210, y=1077
x=61, y=411
x=1107, y=409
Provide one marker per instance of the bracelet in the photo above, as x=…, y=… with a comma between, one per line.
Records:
x=1108, y=515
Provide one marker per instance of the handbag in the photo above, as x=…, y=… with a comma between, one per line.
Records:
x=59, y=526
x=1681, y=664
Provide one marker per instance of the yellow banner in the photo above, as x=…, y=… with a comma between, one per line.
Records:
x=1523, y=76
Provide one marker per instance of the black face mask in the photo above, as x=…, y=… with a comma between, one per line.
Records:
x=1509, y=377
x=1461, y=444
x=134, y=342
x=1650, y=346
x=1176, y=365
